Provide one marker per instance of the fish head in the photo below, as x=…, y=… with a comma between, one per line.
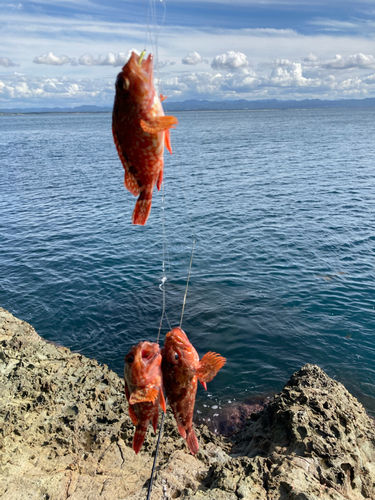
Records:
x=143, y=364
x=134, y=84
x=180, y=354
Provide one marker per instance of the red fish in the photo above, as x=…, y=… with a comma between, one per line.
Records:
x=143, y=388
x=181, y=371
x=140, y=130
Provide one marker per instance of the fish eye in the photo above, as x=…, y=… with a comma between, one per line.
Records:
x=176, y=356
x=130, y=359
x=122, y=83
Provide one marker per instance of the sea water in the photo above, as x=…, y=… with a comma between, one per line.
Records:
x=282, y=207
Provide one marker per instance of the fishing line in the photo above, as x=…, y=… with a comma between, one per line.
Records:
x=156, y=455
x=153, y=34
x=194, y=239
x=154, y=43
x=164, y=278
x=187, y=283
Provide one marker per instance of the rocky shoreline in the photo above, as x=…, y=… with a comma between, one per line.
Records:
x=65, y=433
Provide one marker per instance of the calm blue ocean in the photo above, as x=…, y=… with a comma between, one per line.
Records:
x=283, y=207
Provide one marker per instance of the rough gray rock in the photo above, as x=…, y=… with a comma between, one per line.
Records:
x=65, y=433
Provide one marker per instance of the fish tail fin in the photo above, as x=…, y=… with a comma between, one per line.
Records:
x=142, y=209
x=209, y=365
x=139, y=437
x=192, y=441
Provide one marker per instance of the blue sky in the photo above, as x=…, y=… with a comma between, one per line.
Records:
x=68, y=53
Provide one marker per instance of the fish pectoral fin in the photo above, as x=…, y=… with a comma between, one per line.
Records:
x=158, y=124
x=163, y=97
x=143, y=395
x=209, y=365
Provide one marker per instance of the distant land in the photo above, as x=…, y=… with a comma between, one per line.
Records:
x=204, y=105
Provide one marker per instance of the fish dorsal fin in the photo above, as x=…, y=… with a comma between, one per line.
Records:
x=209, y=365
x=158, y=124
x=143, y=395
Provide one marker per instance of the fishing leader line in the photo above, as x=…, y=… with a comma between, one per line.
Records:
x=154, y=43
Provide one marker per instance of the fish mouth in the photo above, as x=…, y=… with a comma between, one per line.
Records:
x=149, y=353
x=141, y=68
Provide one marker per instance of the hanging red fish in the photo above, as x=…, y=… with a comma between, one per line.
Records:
x=140, y=130
x=143, y=388
x=181, y=371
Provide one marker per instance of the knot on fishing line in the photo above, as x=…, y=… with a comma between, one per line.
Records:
x=163, y=280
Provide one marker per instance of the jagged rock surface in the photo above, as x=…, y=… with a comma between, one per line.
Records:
x=65, y=433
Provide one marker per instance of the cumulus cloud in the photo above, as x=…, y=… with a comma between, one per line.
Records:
x=109, y=60
x=370, y=79
x=193, y=58
x=4, y=61
x=230, y=60
x=287, y=78
x=25, y=88
x=311, y=58
x=50, y=58
x=165, y=62
x=233, y=79
x=349, y=62
x=277, y=63
x=291, y=77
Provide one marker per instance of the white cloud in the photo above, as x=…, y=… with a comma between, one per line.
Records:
x=4, y=61
x=291, y=77
x=193, y=58
x=165, y=62
x=230, y=60
x=277, y=63
x=311, y=58
x=370, y=79
x=50, y=58
x=350, y=62
x=335, y=25
x=109, y=60
x=14, y=6
x=56, y=91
